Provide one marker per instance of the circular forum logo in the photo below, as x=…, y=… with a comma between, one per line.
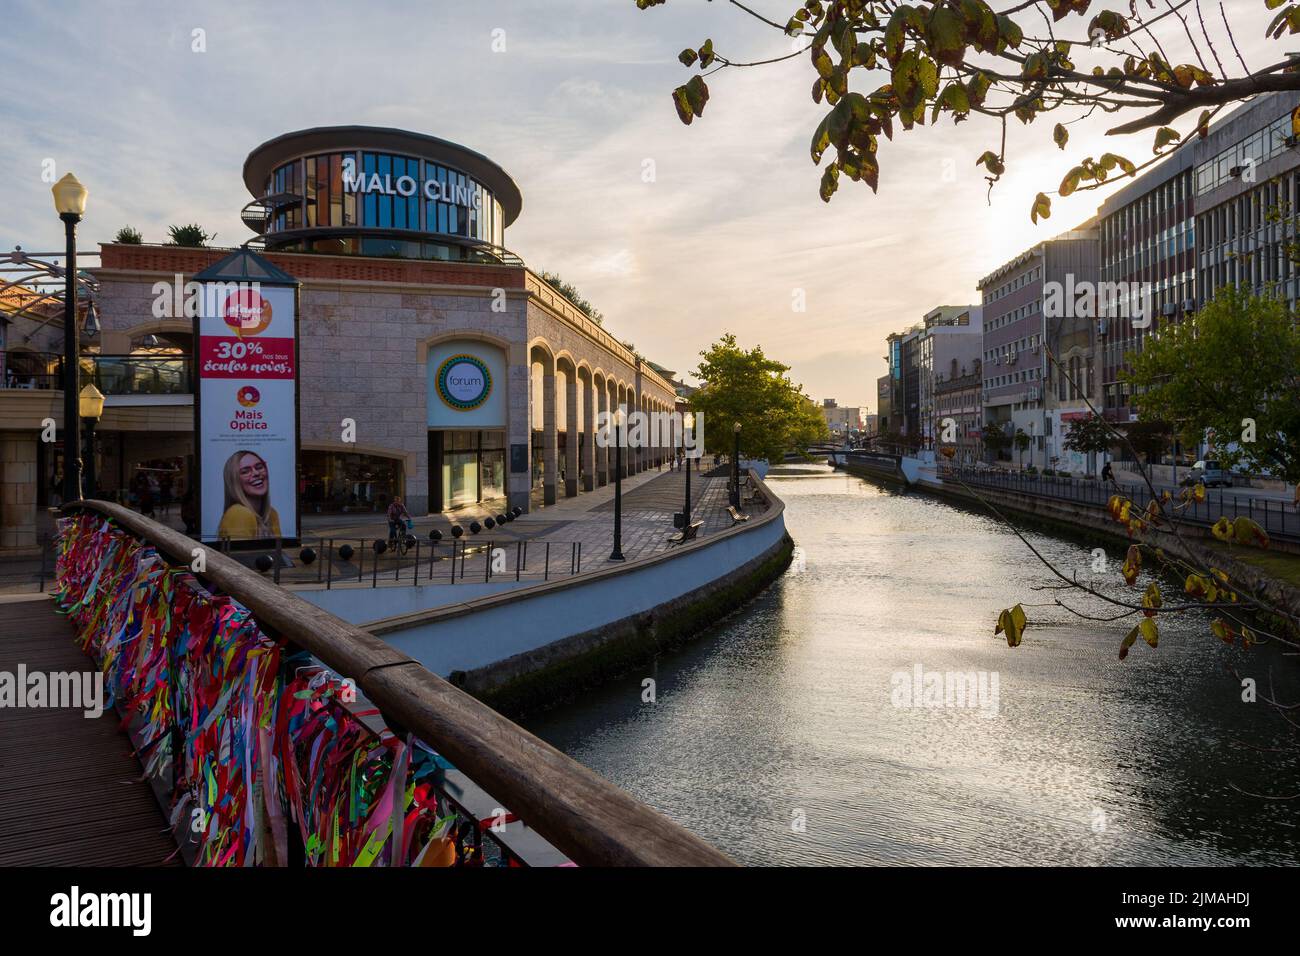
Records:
x=246, y=312
x=464, y=382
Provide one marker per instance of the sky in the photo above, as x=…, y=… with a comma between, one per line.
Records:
x=677, y=234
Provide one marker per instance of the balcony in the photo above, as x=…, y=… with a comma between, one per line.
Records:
x=140, y=374
x=112, y=374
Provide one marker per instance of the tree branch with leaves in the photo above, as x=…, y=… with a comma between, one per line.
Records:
x=958, y=59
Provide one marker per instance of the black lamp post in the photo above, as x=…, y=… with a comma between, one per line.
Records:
x=617, y=554
x=688, y=423
x=70, y=201
x=735, y=468
x=91, y=402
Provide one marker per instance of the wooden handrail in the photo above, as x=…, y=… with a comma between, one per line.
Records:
x=583, y=815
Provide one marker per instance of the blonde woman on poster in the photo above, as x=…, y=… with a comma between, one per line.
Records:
x=248, y=511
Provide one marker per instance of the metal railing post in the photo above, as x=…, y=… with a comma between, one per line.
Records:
x=329, y=577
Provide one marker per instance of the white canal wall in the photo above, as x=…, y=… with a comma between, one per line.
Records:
x=491, y=628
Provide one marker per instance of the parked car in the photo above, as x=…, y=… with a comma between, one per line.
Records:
x=1209, y=472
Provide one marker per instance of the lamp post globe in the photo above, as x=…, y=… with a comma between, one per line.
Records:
x=90, y=405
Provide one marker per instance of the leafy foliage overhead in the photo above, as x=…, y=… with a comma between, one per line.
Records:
x=884, y=68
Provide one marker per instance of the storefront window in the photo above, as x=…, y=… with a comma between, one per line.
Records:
x=333, y=482
x=470, y=466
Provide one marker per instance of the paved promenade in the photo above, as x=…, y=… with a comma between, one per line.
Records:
x=579, y=531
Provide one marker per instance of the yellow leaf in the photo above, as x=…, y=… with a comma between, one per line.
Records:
x=1151, y=599
x=1013, y=622
x=1149, y=631
x=1248, y=531
x=1132, y=564
x=1129, y=638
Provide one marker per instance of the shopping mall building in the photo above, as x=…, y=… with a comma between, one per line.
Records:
x=432, y=363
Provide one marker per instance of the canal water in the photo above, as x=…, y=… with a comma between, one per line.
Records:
x=791, y=733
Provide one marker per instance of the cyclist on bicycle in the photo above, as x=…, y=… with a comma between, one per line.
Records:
x=397, y=518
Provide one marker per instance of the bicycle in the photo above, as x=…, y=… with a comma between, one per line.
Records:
x=398, y=538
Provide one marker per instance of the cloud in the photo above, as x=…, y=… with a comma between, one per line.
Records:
x=718, y=238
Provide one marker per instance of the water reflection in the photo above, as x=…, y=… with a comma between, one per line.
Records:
x=775, y=736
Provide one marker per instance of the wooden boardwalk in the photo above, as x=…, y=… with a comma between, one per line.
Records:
x=70, y=792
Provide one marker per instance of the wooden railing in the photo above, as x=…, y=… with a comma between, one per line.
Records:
x=584, y=816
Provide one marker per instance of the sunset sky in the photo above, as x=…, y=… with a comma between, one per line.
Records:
x=721, y=240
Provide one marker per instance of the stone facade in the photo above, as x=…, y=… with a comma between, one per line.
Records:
x=365, y=330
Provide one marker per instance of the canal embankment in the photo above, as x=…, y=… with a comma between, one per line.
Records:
x=531, y=647
x=1192, y=543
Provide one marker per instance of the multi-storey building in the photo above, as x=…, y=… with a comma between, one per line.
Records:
x=884, y=405
x=841, y=420
x=897, y=404
x=1219, y=211
x=948, y=343
x=1148, y=263
x=1059, y=272
x=1247, y=197
x=957, y=397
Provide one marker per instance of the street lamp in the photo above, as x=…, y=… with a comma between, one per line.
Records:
x=688, y=424
x=620, y=416
x=70, y=202
x=735, y=468
x=90, y=403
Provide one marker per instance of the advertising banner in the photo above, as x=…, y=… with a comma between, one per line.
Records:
x=247, y=355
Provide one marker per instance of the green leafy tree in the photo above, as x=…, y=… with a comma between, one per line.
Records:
x=884, y=68
x=1233, y=370
x=1022, y=442
x=746, y=386
x=574, y=296
x=128, y=236
x=192, y=235
x=995, y=440
x=1089, y=436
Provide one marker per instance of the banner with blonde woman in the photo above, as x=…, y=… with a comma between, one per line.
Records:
x=247, y=436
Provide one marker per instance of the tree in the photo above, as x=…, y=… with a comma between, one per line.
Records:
x=1089, y=436
x=574, y=296
x=1022, y=442
x=1232, y=370
x=748, y=387
x=995, y=440
x=128, y=236
x=959, y=58
x=192, y=235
